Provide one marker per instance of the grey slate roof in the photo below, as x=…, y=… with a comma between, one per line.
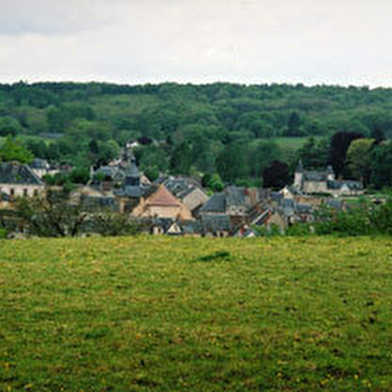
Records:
x=179, y=187
x=276, y=196
x=304, y=208
x=335, y=203
x=192, y=227
x=216, y=204
x=4, y=197
x=215, y=223
x=315, y=176
x=15, y=173
x=235, y=196
x=39, y=164
x=134, y=192
x=294, y=191
x=352, y=185
x=132, y=170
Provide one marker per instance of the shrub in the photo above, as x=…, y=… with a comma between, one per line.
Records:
x=3, y=233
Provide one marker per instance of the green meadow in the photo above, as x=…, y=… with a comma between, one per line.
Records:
x=175, y=314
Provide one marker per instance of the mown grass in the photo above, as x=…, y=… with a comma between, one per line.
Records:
x=161, y=314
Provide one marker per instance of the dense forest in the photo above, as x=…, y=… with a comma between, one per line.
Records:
x=227, y=130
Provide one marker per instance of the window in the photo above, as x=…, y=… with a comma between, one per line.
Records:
x=25, y=192
x=35, y=192
x=12, y=192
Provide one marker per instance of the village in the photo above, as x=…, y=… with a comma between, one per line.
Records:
x=178, y=205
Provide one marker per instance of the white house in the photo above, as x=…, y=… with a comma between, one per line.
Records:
x=17, y=180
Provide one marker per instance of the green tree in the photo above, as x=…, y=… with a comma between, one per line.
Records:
x=181, y=159
x=359, y=159
x=314, y=154
x=231, y=162
x=9, y=126
x=381, y=166
x=294, y=125
x=213, y=182
x=57, y=119
x=202, y=154
x=14, y=150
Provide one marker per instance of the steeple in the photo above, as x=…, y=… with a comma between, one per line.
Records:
x=132, y=175
x=298, y=176
x=300, y=167
x=330, y=173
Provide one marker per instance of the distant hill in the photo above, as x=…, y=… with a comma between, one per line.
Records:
x=160, y=110
x=198, y=123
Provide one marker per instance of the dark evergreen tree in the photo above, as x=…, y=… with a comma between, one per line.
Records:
x=276, y=175
x=340, y=143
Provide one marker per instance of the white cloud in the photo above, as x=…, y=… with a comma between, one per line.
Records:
x=132, y=41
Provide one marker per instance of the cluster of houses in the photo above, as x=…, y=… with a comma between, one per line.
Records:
x=179, y=205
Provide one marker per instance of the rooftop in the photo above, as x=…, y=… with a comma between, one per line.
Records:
x=16, y=173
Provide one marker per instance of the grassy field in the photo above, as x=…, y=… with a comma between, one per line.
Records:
x=161, y=314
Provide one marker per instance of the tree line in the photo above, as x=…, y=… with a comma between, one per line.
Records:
x=221, y=129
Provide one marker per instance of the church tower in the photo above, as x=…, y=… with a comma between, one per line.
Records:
x=298, y=176
x=132, y=175
x=330, y=174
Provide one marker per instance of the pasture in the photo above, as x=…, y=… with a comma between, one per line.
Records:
x=175, y=314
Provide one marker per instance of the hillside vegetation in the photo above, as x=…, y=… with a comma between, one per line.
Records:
x=233, y=130
x=168, y=314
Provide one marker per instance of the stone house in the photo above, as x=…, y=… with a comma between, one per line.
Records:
x=188, y=190
x=159, y=202
x=18, y=180
x=324, y=182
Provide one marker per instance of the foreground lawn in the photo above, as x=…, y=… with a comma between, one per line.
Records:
x=156, y=314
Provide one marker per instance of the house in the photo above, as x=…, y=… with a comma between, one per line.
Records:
x=157, y=201
x=40, y=167
x=132, y=189
x=146, y=200
x=93, y=199
x=188, y=190
x=238, y=203
x=113, y=176
x=5, y=201
x=215, y=205
x=324, y=182
x=18, y=180
x=216, y=225
x=244, y=231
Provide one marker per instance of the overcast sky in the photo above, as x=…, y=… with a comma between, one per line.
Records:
x=248, y=41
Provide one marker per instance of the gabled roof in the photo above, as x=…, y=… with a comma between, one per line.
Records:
x=352, y=185
x=315, y=176
x=235, y=196
x=180, y=187
x=39, y=164
x=134, y=192
x=16, y=173
x=293, y=190
x=162, y=197
x=216, y=204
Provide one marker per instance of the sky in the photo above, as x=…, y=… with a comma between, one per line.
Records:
x=345, y=42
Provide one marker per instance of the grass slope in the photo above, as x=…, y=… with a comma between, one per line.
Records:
x=146, y=314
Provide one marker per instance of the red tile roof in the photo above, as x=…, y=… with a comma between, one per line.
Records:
x=162, y=197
